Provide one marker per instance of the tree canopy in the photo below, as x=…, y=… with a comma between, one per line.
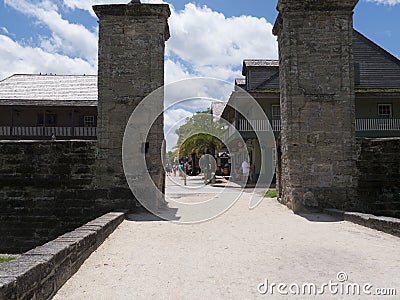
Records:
x=200, y=134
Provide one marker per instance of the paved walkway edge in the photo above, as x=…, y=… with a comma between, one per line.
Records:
x=42, y=271
x=385, y=224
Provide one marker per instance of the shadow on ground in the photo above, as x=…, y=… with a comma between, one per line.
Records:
x=318, y=217
x=144, y=215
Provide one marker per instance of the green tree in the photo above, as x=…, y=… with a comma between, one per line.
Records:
x=200, y=134
x=169, y=156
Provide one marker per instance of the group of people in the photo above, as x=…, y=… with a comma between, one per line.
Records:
x=171, y=168
x=179, y=168
x=185, y=168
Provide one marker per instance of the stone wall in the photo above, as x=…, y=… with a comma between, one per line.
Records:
x=47, y=189
x=131, y=66
x=317, y=103
x=378, y=178
x=39, y=273
x=386, y=224
x=378, y=166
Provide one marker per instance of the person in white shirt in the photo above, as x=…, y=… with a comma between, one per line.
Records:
x=245, y=170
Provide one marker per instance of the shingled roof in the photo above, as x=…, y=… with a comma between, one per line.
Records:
x=377, y=68
x=49, y=90
x=240, y=82
x=258, y=63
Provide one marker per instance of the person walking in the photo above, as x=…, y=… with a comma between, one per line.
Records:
x=245, y=171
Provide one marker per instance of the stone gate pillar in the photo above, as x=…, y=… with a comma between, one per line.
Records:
x=317, y=103
x=131, y=65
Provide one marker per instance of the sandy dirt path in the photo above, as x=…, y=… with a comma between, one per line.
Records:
x=228, y=257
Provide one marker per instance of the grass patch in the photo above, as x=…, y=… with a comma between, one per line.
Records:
x=270, y=194
x=6, y=259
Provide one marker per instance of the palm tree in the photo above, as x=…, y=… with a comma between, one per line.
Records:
x=201, y=134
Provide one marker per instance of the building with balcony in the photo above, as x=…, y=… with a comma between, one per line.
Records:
x=48, y=106
x=377, y=96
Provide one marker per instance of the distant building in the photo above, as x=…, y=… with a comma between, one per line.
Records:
x=377, y=95
x=42, y=106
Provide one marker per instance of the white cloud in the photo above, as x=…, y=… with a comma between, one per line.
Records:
x=215, y=45
x=206, y=42
x=72, y=39
x=171, y=141
x=385, y=2
x=4, y=30
x=175, y=71
x=173, y=118
x=224, y=72
x=196, y=94
x=203, y=43
x=16, y=58
x=87, y=4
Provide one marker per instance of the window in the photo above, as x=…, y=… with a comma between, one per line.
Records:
x=40, y=119
x=89, y=121
x=385, y=110
x=276, y=111
x=356, y=73
x=51, y=119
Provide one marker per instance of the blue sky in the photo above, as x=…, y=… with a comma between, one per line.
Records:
x=60, y=36
x=208, y=37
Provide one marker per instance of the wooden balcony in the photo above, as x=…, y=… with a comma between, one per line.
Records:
x=40, y=132
x=254, y=125
x=377, y=124
x=259, y=125
x=364, y=127
x=388, y=124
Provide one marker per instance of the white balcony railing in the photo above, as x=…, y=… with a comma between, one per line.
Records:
x=40, y=131
x=361, y=125
x=85, y=131
x=5, y=130
x=259, y=125
x=377, y=124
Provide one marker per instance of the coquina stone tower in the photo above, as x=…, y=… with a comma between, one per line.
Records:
x=317, y=103
x=131, y=65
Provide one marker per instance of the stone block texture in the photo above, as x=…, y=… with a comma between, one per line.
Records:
x=131, y=65
x=386, y=224
x=318, y=167
x=378, y=167
x=47, y=189
x=40, y=272
x=51, y=187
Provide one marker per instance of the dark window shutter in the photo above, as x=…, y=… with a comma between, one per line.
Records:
x=356, y=73
x=40, y=119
